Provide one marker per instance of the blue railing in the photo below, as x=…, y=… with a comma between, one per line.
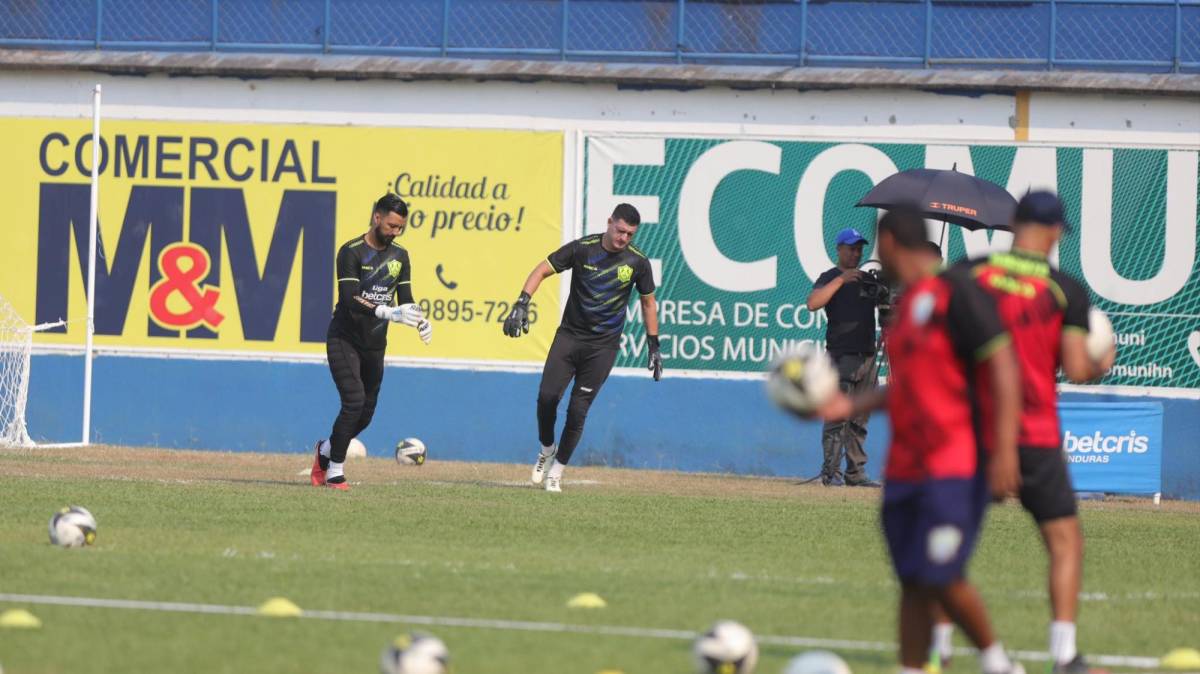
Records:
x=1121, y=35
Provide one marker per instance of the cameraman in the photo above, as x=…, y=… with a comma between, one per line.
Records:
x=850, y=342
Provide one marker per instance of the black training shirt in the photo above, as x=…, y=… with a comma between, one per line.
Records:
x=377, y=276
x=601, y=283
x=851, y=326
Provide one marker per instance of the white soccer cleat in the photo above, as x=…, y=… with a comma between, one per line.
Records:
x=542, y=464
x=554, y=484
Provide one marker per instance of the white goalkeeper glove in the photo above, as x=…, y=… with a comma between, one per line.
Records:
x=408, y=314
x=425, y=330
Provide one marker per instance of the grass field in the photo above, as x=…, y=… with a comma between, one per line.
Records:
x=449, y=540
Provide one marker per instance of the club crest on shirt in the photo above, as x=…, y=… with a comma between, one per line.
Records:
x=624, y=273
x=394, y=267
x=922, y=308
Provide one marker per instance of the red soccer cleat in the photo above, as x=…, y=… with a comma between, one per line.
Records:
x=317, y=474
x=344, y=486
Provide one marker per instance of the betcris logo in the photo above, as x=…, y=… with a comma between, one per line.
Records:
x=1095, y=448
x=1113, y=447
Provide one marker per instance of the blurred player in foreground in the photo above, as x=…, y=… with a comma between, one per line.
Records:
x=374, y=281
x=1046, y=312
x=605, y=269
x=939, y=477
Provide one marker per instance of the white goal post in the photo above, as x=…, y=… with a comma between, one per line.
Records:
x=16, y=336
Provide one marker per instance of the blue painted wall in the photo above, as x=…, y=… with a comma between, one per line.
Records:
x=677, y=424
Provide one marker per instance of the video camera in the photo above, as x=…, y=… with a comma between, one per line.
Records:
x=874, y=286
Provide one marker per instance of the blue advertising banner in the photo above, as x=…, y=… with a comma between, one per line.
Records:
x=1114, y=447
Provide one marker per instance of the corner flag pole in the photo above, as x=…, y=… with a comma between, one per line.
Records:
x=91, y=273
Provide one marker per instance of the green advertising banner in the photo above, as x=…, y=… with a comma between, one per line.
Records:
x=738, y=229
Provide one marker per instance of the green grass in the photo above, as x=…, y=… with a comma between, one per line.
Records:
x=805, y=566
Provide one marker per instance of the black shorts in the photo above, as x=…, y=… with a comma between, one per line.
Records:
x=1046, y=490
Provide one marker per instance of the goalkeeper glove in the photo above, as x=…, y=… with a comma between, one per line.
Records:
x=425, y=330
x=655, y=362
x=518, y=319
x=409, y=314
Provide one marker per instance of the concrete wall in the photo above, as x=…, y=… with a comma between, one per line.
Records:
x=682, y=423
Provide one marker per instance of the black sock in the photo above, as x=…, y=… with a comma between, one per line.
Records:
x=337, y=480
x=324, y=461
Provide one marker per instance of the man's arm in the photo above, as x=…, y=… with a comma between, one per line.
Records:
x=824, y=292
x=842, y=406
x=1076, y=363
x=540, y=273
x=348, y=283
x=1004, y=472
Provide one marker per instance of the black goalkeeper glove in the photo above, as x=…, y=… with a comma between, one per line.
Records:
x=518, y=319
x=655, y=362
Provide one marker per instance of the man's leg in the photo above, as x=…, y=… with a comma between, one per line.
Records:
x=557, y=373
x=592, y=370
x=860, y=372
x=371, y=371
x=833, y=436
x=1047, y=493
x=344, y=365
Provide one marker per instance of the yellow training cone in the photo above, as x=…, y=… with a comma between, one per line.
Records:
x=1182, y=658
x=279, y=607
x=20, y=619
x=587, y=600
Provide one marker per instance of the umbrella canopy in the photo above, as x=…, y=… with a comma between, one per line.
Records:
x=948, y=196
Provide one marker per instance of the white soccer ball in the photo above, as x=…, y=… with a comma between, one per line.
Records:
x=72, y=527
x=410, y=452
x=817, y=662
x=1100, y=334
x=356, y=449
x=415, y=653
x=802, y=379
x=728, y=648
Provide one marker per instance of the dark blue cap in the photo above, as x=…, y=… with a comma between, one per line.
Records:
x=1041, y=207
x=850, y=237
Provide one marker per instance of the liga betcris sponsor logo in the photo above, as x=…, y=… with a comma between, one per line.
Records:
x=1098, y=447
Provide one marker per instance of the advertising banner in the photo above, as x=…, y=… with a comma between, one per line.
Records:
x=739, y=229
x=222, y=237
x=1114, y=447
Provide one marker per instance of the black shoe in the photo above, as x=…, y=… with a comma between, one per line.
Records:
x=834, y=480
x=865, y=482
x=1075, y=666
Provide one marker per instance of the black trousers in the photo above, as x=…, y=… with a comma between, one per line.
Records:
x=357, y=375
x=856, y=373
x=589, y=365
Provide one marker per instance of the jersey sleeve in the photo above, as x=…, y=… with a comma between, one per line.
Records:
x=563, y=258
x=645, y=278
x=1075, y=314
x=826, y=278
x=404, y=293
x=971, y=318
x=348, y=281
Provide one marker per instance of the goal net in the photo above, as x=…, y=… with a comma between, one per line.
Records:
x=16, y=343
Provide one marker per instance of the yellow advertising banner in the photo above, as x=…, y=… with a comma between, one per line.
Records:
x=222, y=237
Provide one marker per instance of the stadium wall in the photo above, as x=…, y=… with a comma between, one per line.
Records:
x=172, y=393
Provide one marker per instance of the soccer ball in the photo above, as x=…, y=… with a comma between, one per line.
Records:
x=415, y=653
x=410, y=452
x=817, y=662
x=356, y=449
x=802, y=379
x=1100, y=335
x=727, y=648
x=72, y=527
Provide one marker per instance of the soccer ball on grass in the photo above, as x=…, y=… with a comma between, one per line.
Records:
x=415, y=653
x=727, y=648
x=72, y=527
x=410, y=452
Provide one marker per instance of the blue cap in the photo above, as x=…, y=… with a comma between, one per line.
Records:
x=1042, y=207
x=850, y=237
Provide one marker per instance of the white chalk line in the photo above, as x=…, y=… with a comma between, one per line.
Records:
x=526, y=626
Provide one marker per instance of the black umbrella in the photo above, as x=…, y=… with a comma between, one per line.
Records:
x=948, y=196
